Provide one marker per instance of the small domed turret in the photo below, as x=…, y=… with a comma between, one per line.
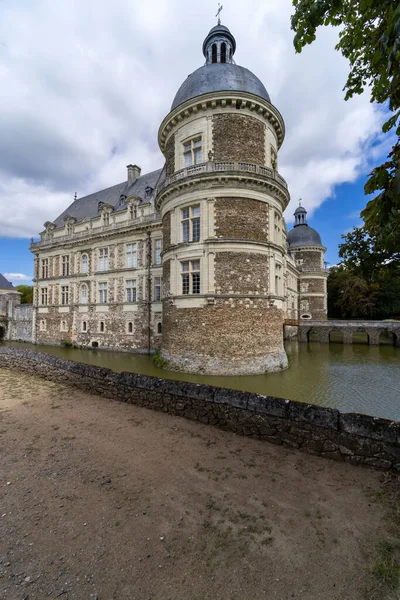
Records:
x=302, y=234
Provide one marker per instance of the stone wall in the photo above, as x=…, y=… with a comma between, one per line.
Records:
x=166, y=230
x=21, y=325
x=241, y=218
x=354, y=438
x=243, y=273
x=233, y=336
x=238, y=138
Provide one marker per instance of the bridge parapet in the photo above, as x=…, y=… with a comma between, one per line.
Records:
x=321, y=330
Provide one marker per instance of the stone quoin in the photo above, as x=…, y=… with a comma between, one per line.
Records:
x=194, y=258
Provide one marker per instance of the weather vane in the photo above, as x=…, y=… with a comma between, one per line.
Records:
x=300, y=199
x=220, y=7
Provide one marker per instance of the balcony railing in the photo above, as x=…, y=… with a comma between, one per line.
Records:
x=220, y=167
x=78, y=235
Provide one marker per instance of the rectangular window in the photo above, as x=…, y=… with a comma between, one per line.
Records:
x=45, y=268
x=43, y=299
x=278, y=279
x=157, y=289
x=103, y=290
x=157, y=252
x=192, y=152
x=191, y=277
x=103, y=259
x=131, y=256
x=64, y=294
x=84, y=294
x=65, y=266
x=190, y=218
x=131, y=290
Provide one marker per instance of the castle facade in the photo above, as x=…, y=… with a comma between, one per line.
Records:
x=193, y=258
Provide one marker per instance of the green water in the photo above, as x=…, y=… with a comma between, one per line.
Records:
x=352, y=378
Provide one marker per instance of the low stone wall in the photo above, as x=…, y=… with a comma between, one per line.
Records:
x=354, y=438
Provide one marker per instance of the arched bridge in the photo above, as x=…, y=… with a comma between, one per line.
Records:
x=374, y=332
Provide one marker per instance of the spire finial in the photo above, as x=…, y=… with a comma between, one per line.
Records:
x=300, y=199
x=220, y=7
x=76, y=196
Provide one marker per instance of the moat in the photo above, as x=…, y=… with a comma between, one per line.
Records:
x=352, y=378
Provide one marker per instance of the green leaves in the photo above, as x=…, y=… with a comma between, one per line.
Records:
x=370, y=40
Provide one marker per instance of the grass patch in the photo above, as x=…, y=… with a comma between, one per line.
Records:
x=386, y=569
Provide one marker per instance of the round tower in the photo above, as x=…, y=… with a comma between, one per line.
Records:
x=306, y=248
x=221, y=203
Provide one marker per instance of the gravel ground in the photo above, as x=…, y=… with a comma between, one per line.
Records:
x=110, y=501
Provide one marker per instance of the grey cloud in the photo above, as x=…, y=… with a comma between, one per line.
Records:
x=81, y=79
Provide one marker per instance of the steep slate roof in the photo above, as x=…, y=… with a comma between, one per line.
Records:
x=6, y=285
x=87, y=207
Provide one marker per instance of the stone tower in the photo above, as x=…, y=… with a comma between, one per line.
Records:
x=306, y=248
x=221, y=204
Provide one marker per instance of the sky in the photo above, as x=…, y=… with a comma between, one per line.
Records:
x=85, y=85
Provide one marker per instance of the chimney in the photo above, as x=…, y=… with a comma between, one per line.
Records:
x=133, y=173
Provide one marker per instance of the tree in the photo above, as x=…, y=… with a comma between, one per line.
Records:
x=27, y=293
x=367, y=281
x=370, y=39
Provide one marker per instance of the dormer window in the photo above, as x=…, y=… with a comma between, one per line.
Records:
x=148, y=192
x=106, y=219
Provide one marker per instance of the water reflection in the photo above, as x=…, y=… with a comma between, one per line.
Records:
x=352, y=378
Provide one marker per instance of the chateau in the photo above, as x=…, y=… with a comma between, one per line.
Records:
x=193, y=258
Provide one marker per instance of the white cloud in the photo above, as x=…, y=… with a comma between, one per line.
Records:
x=17, y=277
x=86, y=84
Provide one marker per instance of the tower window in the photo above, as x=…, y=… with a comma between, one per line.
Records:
x=190, y=218
x=84, y=326
x=223, y=52
x=190, y=277
x=192, y=152
x=103, y=292
x=214, y=53
x=130, y=327
x=159, y=328
x=131, y=290
x=85, y=262
x=101, y=327
x=84, y=293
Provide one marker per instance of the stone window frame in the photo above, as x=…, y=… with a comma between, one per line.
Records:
x=131, y=291
x=102, y=289
x=65, y=265
x=64, y=295
x=63, y=326
x=84, y=327
x=45, y=268
x=103, y=259
x=190, y=223
x=84, y=298
x=159, y=328
x=131, y=256
x=192, y=150
x=157, y=288
x=157, y=251
x=304, y=306
x=278, y=281
x=130, y=329
x=102, y=327
x=190, y=277
x=304, y=287
x=44, y=296
x=84, y=263
x=42, y=325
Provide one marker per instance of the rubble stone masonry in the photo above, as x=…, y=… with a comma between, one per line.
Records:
x=353, y=438
x=234, y=336
x=170, y=156
x=238, y=138
x=241, y=218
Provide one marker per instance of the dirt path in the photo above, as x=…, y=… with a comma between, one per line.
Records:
x=109, y=501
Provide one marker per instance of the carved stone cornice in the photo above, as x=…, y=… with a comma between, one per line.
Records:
x=212, y=100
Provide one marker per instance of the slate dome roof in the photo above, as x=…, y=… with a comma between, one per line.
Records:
x=219, y=77
x=303, y=235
